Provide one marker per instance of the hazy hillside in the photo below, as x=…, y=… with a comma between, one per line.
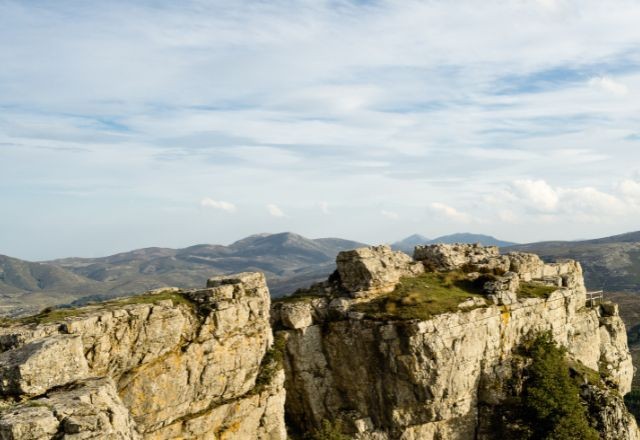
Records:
x=610, y=263
x=407, y=244
x=288, y=260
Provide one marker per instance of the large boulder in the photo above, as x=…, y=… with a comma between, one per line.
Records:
x=527, y=266
x=374, y=269
x=504, y=290
x=41, y=365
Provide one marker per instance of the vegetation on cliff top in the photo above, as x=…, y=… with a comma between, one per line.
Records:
x=424, y=296
x=50, y=315
x=535, y=290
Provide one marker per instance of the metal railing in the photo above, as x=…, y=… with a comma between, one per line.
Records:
x=595, y=297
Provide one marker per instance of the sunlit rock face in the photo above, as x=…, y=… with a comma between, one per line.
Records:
x=360, y=348
x=435, y=378
x=170, y=364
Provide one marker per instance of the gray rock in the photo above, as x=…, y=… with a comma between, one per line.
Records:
x=28, y=423
x=504, y=290
x=373, y=270
x=40, y=365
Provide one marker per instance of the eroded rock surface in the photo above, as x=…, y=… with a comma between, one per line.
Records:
x=170, y=364
x=374, y=269
x=431, y=378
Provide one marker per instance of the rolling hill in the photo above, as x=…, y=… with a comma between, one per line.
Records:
x=288, y=260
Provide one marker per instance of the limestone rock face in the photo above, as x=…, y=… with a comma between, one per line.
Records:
x=39, y=366
x=447, y=257
x=169, y=364
x=373, y=269
x=504, y=290
x=431, y=378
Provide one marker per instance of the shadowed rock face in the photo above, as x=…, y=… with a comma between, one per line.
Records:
x=435, y=378
x=165, y=365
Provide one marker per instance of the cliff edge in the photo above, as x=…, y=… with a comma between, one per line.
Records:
x=427, y=348
x=390, y=347
x=168, y=364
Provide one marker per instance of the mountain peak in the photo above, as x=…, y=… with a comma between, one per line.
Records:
x=411, y=241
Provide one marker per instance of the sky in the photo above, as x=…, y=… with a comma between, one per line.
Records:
x=127, y=124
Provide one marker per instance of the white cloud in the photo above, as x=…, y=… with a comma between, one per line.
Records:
x=275, y=211
x=390, y=215
x=324, y=207
x=380, y=104
x=630, y=189
x=218, y=204
x=507, y=216
x=610, y=85
x=567, y=204
x=589, y=201
x=538, y=194
x=449, y=212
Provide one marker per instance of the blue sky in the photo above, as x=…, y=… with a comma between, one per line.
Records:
x=139, y=123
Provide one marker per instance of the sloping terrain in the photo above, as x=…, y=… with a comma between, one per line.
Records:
x=610, y=263
x=288, y=260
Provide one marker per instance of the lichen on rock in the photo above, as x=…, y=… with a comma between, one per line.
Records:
x=407, y=376
x=159, y=366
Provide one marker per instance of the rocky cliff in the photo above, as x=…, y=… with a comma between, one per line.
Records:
x=170, y=364
x=392, y=347
x=433, y=357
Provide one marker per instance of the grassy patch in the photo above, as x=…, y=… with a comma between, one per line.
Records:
x=580, y=372
x=424, y=296
x=535, y=290
x=54, y=315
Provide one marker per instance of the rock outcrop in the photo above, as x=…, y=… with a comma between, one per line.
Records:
x=396, y=348
x=169, y=364
x=373, y=270
x=434, y=377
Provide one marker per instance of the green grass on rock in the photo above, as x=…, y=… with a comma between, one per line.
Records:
x=424, y=296
x=59, y=314
x=535, y=290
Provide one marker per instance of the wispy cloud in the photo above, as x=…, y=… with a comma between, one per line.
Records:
x=324, y=207
x=218, y=204
x=610, y=85
x=370, y=104
x=275, y=211
x=449, y=212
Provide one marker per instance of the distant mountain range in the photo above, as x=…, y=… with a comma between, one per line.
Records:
x=288, y=260
x=407, y=244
